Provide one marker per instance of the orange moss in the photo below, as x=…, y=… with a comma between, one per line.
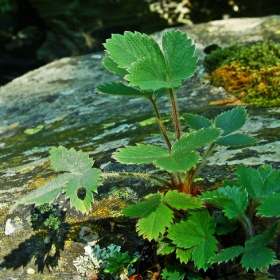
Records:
x=253, y=86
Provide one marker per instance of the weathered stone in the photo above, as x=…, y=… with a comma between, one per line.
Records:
x=58, y=105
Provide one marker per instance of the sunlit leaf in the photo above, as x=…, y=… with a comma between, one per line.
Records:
x=85, y=183
x=62, y=159
x=182, y=201
x=178, y=162
x=179, y=55
x=196, y=139
x=139, y=154
x=113, y=67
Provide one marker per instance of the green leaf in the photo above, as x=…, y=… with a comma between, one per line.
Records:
x=251, y=180
x=144, y=208
x=46, y=193
x=113, y=67
x=263, y=239
x=258, y=258
x=179, y=55
x=237, y=139
x=255, y=254
x=121, y=89
x=232, y=120
x=204, y=251
x=271, y=179
x=86, y=183
x=195, y=140
x=62, y=159
x=155, y=216
x=269, y=205
x=227, y=254
x=165, y=246
x=173, y=272
x=184, y=255
x=147, y=74
x=197, y=122
x=159, y=93
x=182, y=201
x=178, y=162
x=233, y=200
x=129, y=48
x=197, y=231
x=149, y=68
x=139, y=154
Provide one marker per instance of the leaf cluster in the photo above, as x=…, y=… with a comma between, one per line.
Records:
x=149, y=69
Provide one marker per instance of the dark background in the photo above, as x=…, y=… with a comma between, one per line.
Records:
x=36, y=32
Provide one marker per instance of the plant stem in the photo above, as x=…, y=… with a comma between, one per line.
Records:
x=175, y=113
x=202, y=163
x=247, y=225
x=160, y=124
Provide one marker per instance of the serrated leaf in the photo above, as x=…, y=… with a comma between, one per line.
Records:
x=231, y=120
x=271, y=179
x=263, y=239
x=159, y=93
x=178, y=162
x=113, y=67
x=197, y=122
x=179, y=55
x=155, y=223
x=173, y=272
x=269, y=205
x=195, y=140
x=122, y=89
x=182, y=201
x=251, y=180
x=149, y=68
x=144, y=208
x=258, y=258
x=46, y=193
x=233, y=200
x=187, y=234
x=184, y=255
x=204, y=251
x=86, y=182
x=147, y=74
x=129, y=48
x=196, y=232
x=155, y=216
x=165, y=246
x=139, y=154
x=237, y=139
x=73, y=161
x=227, y=254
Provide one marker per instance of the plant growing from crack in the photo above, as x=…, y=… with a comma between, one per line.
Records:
x=183, y=222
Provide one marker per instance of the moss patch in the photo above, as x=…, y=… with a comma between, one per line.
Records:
x=251, y=72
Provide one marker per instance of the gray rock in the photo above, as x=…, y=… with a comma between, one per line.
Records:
x=57, y=105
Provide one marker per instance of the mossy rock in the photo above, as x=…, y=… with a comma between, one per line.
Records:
x=250, y=71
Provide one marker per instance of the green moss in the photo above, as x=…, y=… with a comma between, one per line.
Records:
x=251, y=72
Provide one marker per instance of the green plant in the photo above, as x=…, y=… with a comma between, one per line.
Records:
x=182, y=222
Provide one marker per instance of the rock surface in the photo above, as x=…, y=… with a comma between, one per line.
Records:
x=56, y=105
